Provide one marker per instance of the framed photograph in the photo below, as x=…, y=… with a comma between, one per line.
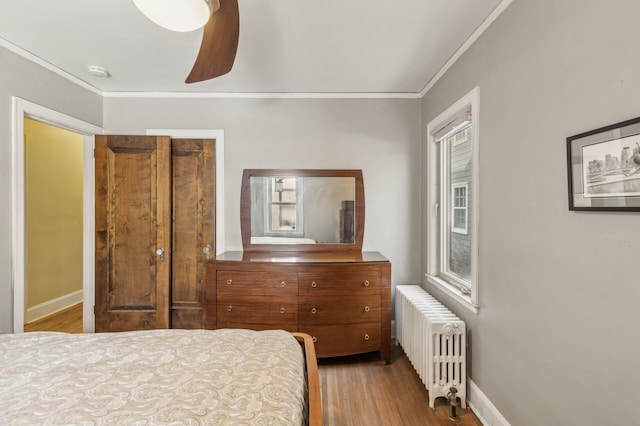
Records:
x=604, y=168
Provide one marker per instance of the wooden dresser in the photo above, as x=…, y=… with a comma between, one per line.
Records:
x=343, y=300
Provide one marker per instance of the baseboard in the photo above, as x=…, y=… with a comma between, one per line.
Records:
x=52, y=306
x=483, y=408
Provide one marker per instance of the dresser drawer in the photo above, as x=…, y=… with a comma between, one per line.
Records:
x=340, y=298
x=291, y=327
x=334, y=310
x=341, y=281
x=257, y=283
x=339, y=340
x=257, y=310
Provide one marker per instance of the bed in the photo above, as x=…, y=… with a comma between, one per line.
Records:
x=220, y=377
x=282, y=240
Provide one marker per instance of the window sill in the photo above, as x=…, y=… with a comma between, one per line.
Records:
x=454, y=293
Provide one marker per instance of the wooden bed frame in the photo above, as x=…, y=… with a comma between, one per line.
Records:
x=313, y=380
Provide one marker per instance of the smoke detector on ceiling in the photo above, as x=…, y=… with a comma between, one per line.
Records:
x=97, y=71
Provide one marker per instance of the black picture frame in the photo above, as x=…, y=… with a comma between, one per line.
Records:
x=603, y=167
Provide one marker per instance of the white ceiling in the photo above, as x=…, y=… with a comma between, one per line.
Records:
x=286, y=46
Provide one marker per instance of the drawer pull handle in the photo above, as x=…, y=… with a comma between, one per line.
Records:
x=366, y=283
x=229, y=308
x=366, y=337
x=229, y=282
x=367, y=309
x=314, y=284
x=313, y=310
x=315, y=339
x=282, y=284
x=282, y=310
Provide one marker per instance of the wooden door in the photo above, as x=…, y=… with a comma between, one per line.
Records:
x=133, y=232
x=193, y=181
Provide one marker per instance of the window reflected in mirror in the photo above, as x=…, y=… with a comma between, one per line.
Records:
x=302, y=210
x=284, y=211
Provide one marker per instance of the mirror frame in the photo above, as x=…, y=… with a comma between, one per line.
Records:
x=245, y=210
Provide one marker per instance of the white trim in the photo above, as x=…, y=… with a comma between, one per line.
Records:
x=52, y=306
x=218, y=135
x=261, y=95
x=483, y=408
x=436, y=197
x=88, y=233
x=457, y=295
x=39, y=61
x=466, y=45
x=268, y=211
x=22, y=108
x=17, y=213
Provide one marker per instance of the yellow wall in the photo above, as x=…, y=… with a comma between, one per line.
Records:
x=53, y=212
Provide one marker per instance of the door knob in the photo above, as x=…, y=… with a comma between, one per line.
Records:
x=160, y=252
x=207, y=251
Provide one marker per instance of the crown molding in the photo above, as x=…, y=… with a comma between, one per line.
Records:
x=265, y=95
x=37, y=60
x=198, y=95
x=466, y=45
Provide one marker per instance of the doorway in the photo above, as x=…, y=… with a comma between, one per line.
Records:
x=53, y=228
x=24, y=109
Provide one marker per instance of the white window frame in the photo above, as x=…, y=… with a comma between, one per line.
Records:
x=268, y=230
x=465, y=208
x=436, y=223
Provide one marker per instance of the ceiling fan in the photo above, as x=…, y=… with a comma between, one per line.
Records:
x=221, y=30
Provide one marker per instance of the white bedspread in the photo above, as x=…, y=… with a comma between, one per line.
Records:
x=282, y=240
x=213, y=377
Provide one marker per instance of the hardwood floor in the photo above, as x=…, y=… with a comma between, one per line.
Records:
x=361, y=390
x=68, y=320
x=356, y=391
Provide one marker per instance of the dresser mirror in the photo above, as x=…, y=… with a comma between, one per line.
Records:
x=302, y=210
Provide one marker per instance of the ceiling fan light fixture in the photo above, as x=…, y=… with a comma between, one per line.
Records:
x=178, y=15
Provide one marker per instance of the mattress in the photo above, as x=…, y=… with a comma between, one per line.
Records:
x=220, y=377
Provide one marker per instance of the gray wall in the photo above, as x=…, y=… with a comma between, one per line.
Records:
x=322, y=203
x=22, y=78
x=379, y=136
x=556, y=339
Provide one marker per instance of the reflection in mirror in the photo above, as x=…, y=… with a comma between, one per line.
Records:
x=302, y=210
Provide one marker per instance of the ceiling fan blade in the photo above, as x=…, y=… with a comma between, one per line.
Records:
x=219, y=43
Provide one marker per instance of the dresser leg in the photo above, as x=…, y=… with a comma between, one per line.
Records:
x=386, y=354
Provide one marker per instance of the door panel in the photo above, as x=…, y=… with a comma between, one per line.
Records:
x=193, y=180
x=132, y=222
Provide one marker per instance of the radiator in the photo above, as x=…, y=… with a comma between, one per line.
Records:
x=434, y=340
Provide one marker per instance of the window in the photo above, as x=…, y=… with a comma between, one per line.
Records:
x=284, y=215
x=460, y=220
x=452, y=237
